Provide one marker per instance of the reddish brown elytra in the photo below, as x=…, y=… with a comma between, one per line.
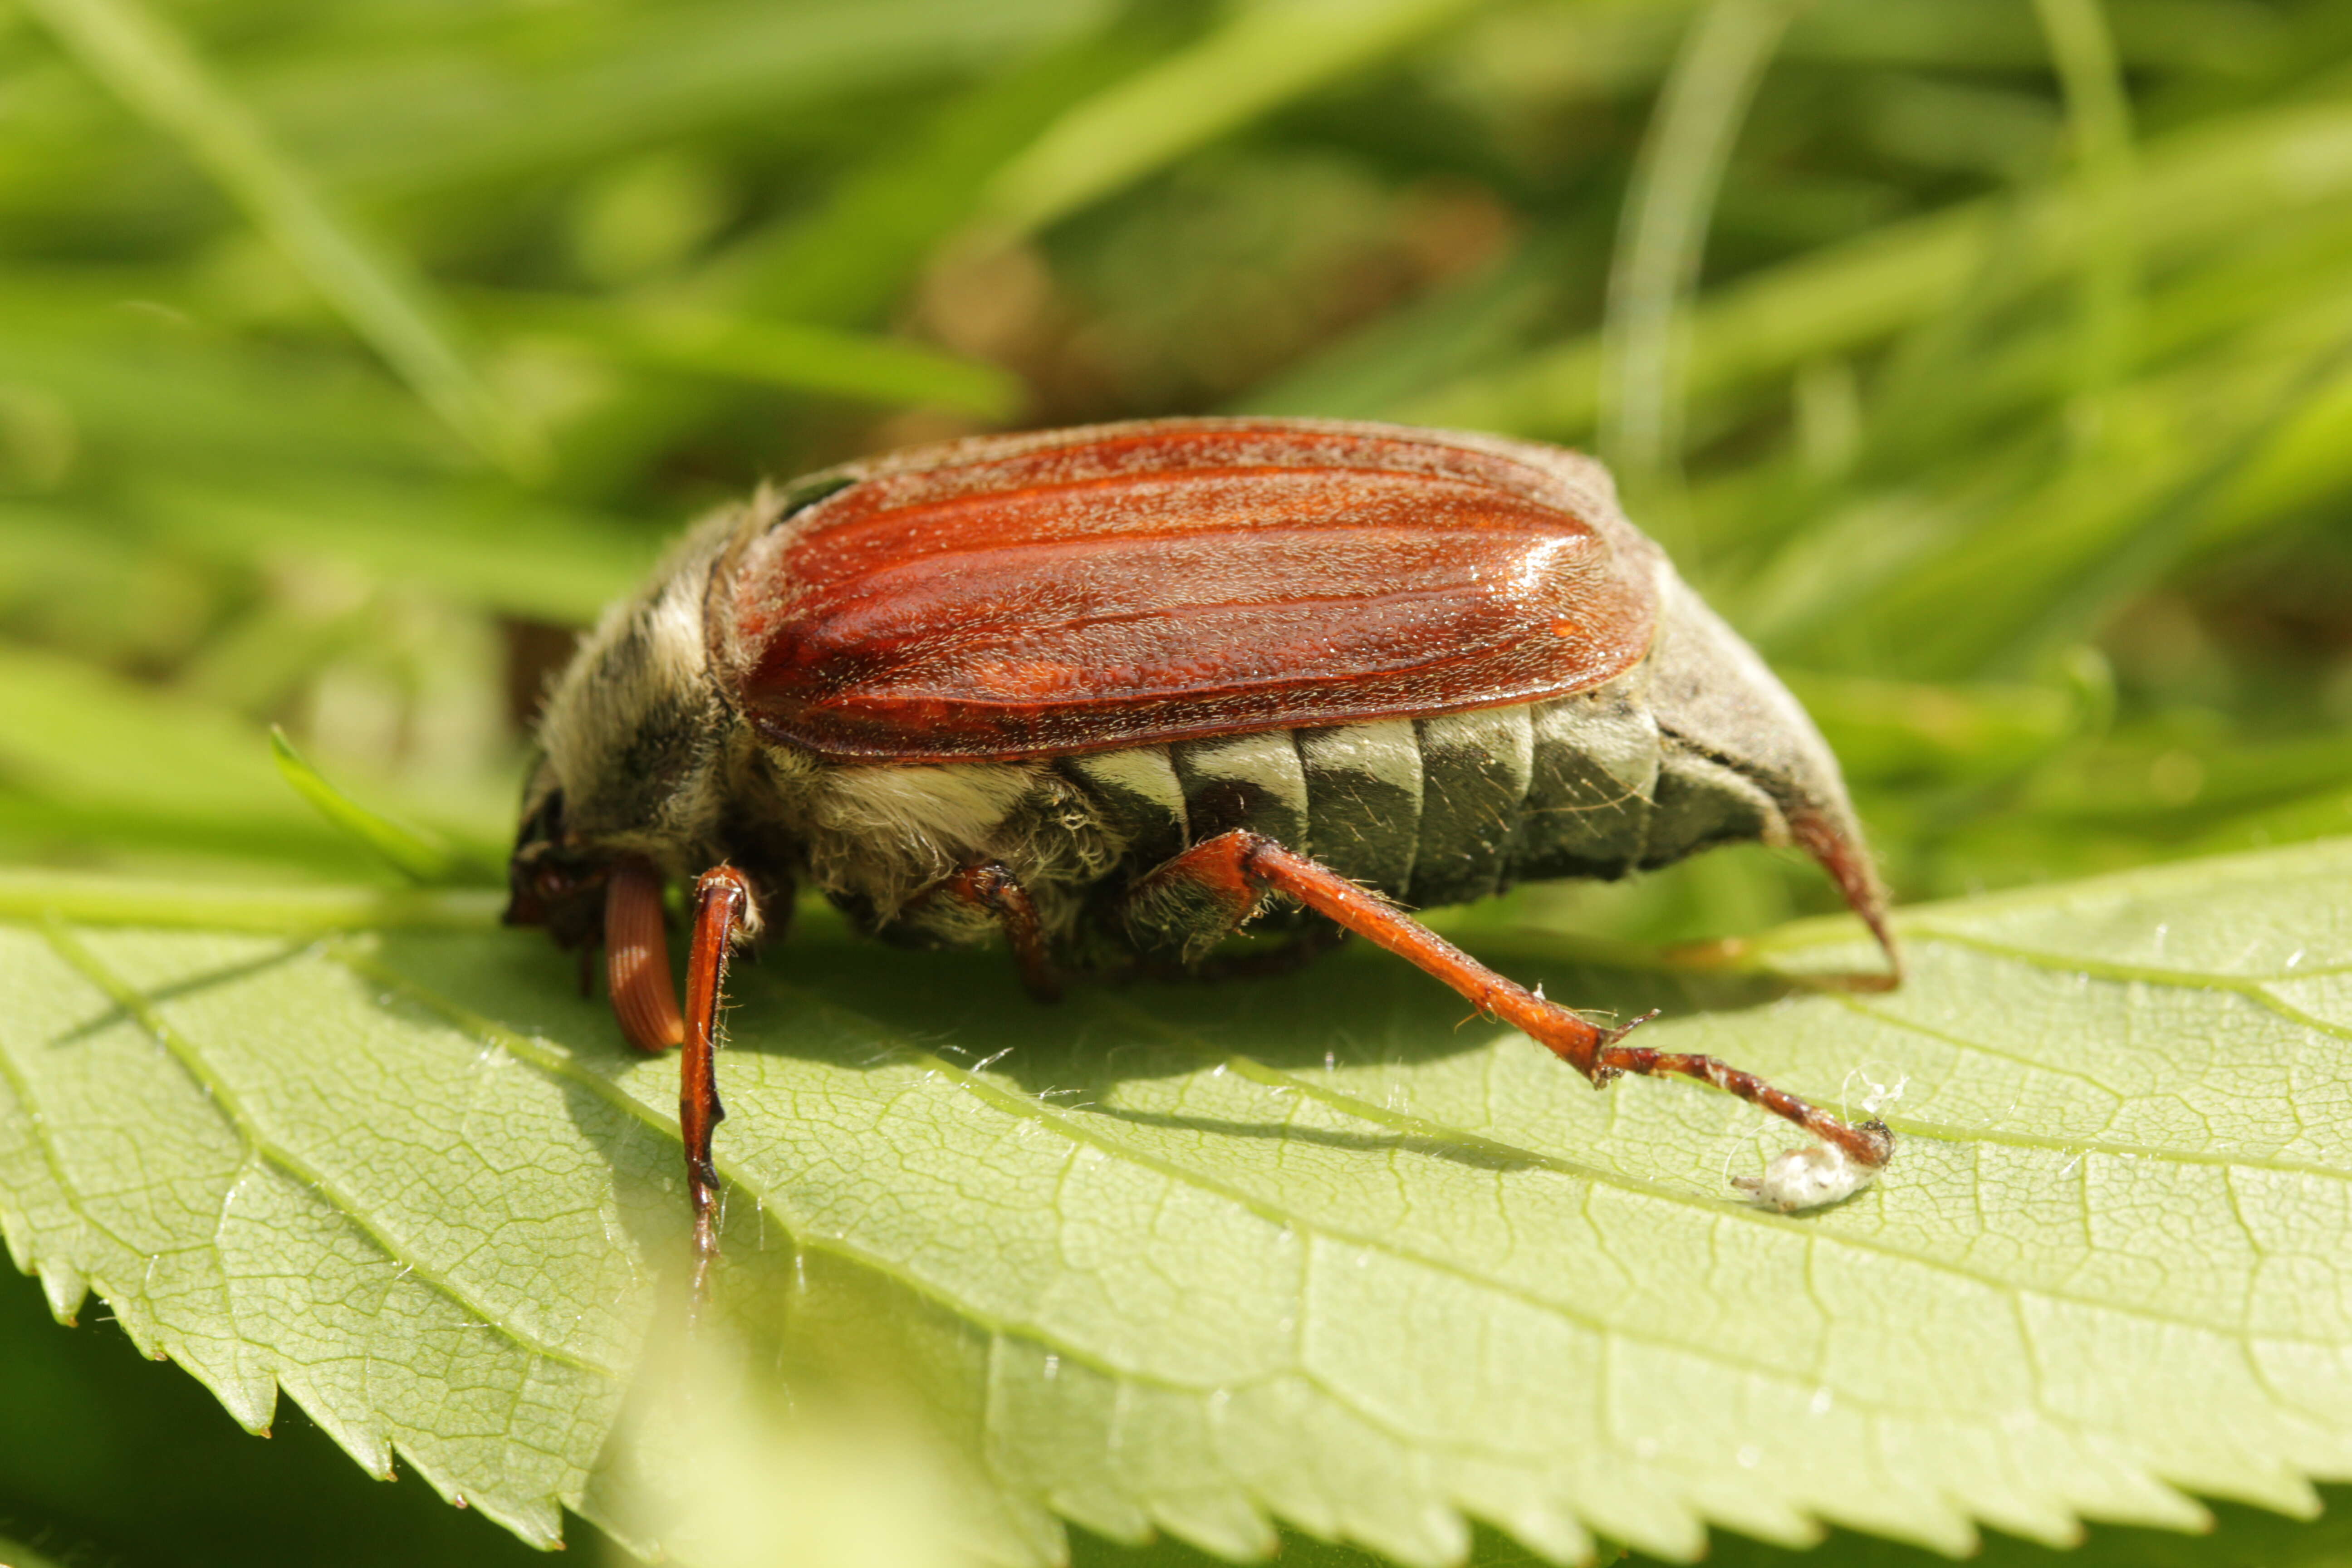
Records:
x=1102, y=693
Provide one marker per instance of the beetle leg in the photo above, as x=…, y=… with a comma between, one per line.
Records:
x=722, y=902
x=637, y=957
x=993, y=886
x=1235, y=869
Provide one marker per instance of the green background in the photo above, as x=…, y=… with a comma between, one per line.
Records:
x=1990, y=364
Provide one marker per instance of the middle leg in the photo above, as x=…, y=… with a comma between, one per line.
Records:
x=993, y=886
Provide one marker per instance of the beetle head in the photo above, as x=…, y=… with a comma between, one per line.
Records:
x=551, y=881
x=632, y=741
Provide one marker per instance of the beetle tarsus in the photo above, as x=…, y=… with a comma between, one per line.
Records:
x=722, y=904
x=1868, y=1144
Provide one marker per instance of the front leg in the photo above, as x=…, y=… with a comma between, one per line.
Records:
x=638, y=961
x=1233, y=871
x=636, y=958
x=722, y=907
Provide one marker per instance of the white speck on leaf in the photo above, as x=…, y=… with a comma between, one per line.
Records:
x=1807, y=1178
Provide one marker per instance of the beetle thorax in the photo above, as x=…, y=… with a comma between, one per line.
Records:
x=635, y=730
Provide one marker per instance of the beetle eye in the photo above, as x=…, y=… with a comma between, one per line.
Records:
x=546, y=822
x=541, y=823
x=550, y=882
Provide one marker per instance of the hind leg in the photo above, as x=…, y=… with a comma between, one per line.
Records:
x=1223, y=879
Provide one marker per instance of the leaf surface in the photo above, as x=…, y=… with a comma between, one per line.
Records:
x=1184, y=1258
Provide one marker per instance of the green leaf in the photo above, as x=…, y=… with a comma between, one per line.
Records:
x=33, y=897
x=1186, y=1258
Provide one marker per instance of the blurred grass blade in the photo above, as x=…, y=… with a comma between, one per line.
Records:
x=792, y=354
x=1484, y=317
x=2306, y=459
x=89, y=757
x=1266, y=56
x=423, y=857
x=478, y=546
x=2088, y=592
x=2061, y=548
x=1676, y=178
x=847, y=263
x=2098, y=116
x=137, y=54
x=1892, y=729
x=2198, y=188
x=537, y=93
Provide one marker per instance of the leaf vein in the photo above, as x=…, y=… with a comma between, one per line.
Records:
x=138, y=1008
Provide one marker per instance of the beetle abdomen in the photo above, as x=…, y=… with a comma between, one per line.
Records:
x=1435, y=811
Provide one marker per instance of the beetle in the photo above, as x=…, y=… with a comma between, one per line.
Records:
x=1107, y=694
